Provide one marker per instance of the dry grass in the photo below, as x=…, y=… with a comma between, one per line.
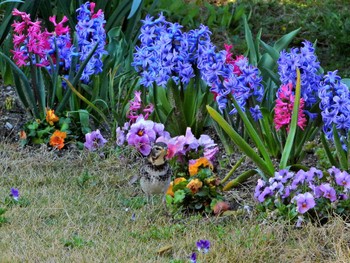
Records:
x=98, y=214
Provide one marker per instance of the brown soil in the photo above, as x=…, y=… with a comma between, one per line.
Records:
x=12, y=114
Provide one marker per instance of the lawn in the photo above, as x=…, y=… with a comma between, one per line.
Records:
x=80, y=208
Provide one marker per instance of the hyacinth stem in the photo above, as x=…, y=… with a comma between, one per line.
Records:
x=240, y=179
x=234, y=168
x=293, y=125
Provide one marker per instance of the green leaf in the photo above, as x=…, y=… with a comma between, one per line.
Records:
x=284, y=41
x=135, y=5
x=346, y=81
x=250, y=42
x=11, y=1
x=340, y=151
x=87, y=101
x=23, y=87
x=179, y=196
x=240, y=142
x=84, y=121
x=240, y=179
x=254, y=136
x=328, y=151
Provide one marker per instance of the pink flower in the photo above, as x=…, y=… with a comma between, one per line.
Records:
x=18, y=27
x=60, y=29
x=25, y=17
x=284, y=109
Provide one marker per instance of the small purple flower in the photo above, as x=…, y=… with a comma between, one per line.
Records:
x=343, y=179
x=120, y=134
x=203, y=245
x=14, y=194
x=327, y=191
x=266, y=192
x=193, y=258
x=305, y=202
x=261, y=183
x=94, y=140
x=299, y=221
x=312, y=173
x=141, y=143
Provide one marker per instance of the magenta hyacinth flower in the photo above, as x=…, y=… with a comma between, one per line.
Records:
x=305, y=202
x=94, y=140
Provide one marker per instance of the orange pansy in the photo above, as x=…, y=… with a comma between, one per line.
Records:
x=57, y=139
x=170, y=190
x=194, y=185
x=51, y=117
x=201, y=162
x=175, y=182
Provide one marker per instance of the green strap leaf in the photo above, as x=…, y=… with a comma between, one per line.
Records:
x=340, y=151
x=103, y=116
x=240, y=142
x=135, y=5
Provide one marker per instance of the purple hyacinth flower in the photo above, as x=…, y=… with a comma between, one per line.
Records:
x=14, y=194
x=305, y=202
x=256, y=113
x=203, y=246
x=94, y=140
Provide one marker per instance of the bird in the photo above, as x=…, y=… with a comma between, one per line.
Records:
x=155, y=174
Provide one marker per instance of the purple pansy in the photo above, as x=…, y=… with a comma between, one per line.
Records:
x=15, y=193
x=327, y=191
x=343, y=179
x=304, y=202
x=94, y=140
x=203, y=246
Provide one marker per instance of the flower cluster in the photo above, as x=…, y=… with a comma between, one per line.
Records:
x=90, y=32
x=227, y=76
x=306, y=191
x=284, y=109
x=202, y=246
x=197, y=192
x=52, y=130
x=305, y=59
x=136, y=110
x=141, y=134
x=335, y=107
x=166, y=52
x=31, y=41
